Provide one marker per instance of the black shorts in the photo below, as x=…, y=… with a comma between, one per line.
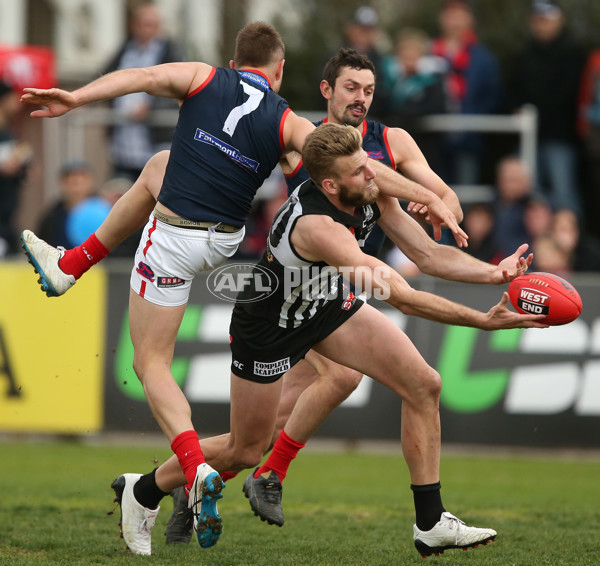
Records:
x=262, y=351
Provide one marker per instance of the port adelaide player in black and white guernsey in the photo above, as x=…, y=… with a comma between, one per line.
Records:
x=313, y=243
x=309, y=299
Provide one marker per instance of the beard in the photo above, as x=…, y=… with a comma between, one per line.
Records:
x=348, y=119
x=360, y=199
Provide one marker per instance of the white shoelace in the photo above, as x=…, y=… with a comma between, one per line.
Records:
x=454, y=521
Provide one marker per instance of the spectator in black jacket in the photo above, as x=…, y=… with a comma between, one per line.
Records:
x=547, y=74
x=133, y=140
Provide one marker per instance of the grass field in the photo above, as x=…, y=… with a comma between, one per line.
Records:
x=342, y=508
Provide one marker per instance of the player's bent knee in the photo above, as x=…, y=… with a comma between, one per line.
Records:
x=426, y=387
x=432, y=384
x=348, y=377
x=248, y=456
x=345, y=381
x=142, y=366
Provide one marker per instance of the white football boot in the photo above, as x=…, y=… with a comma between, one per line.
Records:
x=204, y=494
x=450, y=532
x=136, y=520
x=44, y=258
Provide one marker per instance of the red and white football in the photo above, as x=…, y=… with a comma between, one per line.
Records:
x=544, y=293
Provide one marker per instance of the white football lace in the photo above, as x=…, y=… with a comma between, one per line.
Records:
x=455, y=522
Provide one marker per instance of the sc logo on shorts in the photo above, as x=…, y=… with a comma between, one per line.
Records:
x=243, y=282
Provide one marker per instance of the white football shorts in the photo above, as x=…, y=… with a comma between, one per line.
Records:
x=169, y=257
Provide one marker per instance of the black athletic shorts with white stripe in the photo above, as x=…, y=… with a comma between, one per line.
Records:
x=262, y=351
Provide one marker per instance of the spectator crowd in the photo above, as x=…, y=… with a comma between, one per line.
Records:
x=548, y=204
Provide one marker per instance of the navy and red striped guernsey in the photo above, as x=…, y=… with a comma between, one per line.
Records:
x=227, y=141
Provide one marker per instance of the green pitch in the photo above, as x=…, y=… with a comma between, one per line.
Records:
x=341, y=509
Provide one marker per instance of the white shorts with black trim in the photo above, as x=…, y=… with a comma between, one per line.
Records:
x=169, y=257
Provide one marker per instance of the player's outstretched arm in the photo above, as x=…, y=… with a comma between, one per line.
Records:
x=321, y=239
x=433, y=307
x=395, y=185
x=171, y=80
x=445, y=262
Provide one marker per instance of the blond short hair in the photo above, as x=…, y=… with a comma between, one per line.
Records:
x=324, y=145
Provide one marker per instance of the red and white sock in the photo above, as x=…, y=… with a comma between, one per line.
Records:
x=187, y=449
x=78, y=260
x=284, y=451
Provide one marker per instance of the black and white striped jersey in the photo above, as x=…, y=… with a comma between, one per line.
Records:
x=302, y=287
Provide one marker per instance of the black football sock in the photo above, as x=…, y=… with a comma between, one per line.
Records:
x=146, y=492
x=428, y=505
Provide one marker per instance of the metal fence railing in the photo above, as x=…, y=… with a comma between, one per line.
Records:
x=68, y=138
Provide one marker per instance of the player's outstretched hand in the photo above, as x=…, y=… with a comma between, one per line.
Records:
x=56, y=101
x=439, y=215
x=499, y=317
x=512, y=266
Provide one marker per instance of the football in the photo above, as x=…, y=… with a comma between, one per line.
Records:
x=544, y=293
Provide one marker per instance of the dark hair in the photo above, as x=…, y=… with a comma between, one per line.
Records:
x=75, y=166
x=345, y=57
x=258, y=44
x=324, y=145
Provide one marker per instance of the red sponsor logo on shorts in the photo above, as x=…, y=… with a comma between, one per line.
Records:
x=350, y=300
